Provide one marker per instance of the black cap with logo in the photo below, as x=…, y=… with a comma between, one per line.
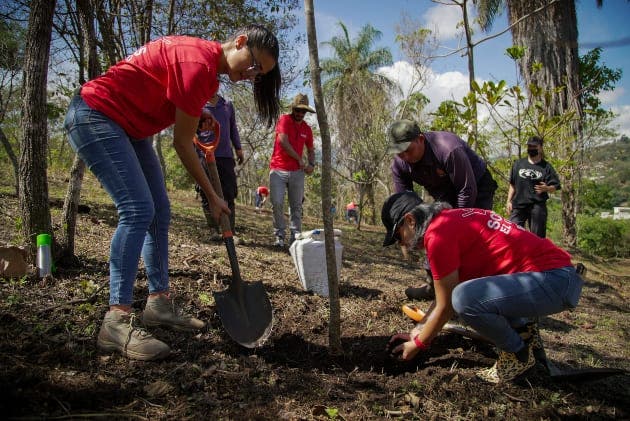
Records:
x=393, y=211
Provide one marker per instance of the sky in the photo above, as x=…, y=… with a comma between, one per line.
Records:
x=606, y=27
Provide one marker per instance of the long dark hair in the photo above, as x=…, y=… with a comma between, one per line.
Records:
x=424, y=214
x=267, y=86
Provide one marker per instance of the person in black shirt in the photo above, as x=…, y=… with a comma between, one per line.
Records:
x=531, y=181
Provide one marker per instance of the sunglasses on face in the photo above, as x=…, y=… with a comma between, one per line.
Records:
x=299, y=111
x=254, y=71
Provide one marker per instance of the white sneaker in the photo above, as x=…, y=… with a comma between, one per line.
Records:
x=279, y=242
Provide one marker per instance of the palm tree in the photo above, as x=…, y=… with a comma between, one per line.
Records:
x=358, y=98
x=548, y=28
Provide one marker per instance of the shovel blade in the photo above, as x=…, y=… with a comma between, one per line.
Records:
x=246, y=313
x=580, y=374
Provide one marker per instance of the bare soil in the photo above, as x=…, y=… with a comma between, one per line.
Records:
x=50, y=368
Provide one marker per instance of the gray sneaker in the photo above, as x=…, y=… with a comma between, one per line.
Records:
x=279, y=242
x=161, y=311
x=119, y=333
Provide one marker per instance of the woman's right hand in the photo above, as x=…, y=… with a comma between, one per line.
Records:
x=218, y=207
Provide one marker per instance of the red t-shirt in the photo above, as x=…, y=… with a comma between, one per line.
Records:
x=263, y=191
x=299, y=134
x=481, y=243
x=141, y=92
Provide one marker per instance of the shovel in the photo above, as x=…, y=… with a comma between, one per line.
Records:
x=244, y=308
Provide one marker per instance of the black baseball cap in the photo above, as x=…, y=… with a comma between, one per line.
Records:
x=394, y=208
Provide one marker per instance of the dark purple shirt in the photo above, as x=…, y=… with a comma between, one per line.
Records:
x=449, y=170
x=223, y=111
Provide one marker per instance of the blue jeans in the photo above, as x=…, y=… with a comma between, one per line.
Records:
x=495, y=305
x=129, y=170
x=279, y=182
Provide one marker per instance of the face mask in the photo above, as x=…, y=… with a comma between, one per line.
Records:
x=532, y=152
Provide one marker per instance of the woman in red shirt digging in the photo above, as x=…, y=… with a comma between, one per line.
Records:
x=110, y=124
x=496, y=276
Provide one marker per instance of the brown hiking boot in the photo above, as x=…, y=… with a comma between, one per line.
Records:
x=119, y=333
x=424, y=292
x=508, y=367
x=161, y=311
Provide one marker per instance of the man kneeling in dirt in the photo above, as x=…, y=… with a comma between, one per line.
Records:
x=496, y=276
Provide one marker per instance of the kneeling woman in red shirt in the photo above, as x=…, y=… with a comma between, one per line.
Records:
x=496, y=276
x=110, y=122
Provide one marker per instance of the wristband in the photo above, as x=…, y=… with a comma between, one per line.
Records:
x=419, y=344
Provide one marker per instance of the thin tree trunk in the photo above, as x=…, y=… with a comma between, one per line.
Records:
x=33, y=183
x=147, y=20
x=334, y=327
x=472, y=135
x=144, y=33
x=371, y=202
x=157, y=147
x=73, y=194
x=14, y=161
x=106, y=26
x=361, y=205
x=171, y=17
x=70, y=208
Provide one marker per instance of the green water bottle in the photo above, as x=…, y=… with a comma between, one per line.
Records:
x=44, y=257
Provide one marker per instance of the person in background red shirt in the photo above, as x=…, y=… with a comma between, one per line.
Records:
x=287, y=167
x=351, y=213
x=110, y=123
x=262, y=192
x=496, y=276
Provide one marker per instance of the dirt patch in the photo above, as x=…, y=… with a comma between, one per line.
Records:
x=49, y=366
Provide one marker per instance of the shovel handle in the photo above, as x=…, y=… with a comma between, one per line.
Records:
x=208, y=147
x=224, y=223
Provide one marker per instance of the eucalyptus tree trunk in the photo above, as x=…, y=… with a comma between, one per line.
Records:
x=551, y=38
x=73, y=194
x=334, y=327
x=33, y=183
